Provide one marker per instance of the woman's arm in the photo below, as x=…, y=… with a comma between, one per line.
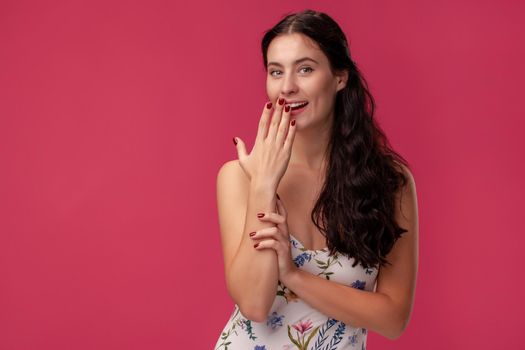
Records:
x=251, y=275
x=387, y=310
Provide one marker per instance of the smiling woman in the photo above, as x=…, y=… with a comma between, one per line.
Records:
x=335, y=253
x=308, y=78
x=296, y=105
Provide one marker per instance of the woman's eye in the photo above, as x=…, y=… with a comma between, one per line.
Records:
x=310, y=69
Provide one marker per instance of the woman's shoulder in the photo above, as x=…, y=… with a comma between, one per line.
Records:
x=405, y=170
x=232, y=173
x=408, y=187
x=229, y=166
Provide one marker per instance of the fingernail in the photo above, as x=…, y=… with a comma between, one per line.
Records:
x=256, y=245
x=260, y=215
x=287, y=108
x=281, y=101
x=235, y=141
x=252, y=234
x=277, y=194
x=269, y=105
x=293, y=122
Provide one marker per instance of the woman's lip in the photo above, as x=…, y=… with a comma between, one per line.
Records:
x=298, y=110
x=290, y=103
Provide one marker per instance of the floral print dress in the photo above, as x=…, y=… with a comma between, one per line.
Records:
x=292, y=323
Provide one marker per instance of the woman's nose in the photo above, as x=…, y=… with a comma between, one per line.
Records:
x=289, y=85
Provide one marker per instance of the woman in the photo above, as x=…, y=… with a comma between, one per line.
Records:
x=319, y=222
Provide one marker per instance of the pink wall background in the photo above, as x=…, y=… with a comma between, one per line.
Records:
x=115, y=117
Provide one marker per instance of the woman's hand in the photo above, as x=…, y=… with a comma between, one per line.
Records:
x=278, y=239
x=270, y=155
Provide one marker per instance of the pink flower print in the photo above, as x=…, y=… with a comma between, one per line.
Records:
x=303, y=326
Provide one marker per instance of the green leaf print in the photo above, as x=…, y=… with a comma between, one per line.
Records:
x=310, y=337
x=325, y=265
x=286, y=293
x=320, y=263
x=299, y=343
x=236, y=322
x=292, y=338
x=224, y=336
x=249, y=329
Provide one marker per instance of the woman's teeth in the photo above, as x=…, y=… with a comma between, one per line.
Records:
x=297, y=105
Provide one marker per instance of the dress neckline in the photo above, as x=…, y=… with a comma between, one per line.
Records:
x=303, y=247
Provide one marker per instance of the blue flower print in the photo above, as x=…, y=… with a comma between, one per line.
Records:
x=302, y=258
x=275, y=320
x=353, y=339
x=359, y=284
x=260, y=347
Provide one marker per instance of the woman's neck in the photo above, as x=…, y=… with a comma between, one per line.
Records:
x=309, y=149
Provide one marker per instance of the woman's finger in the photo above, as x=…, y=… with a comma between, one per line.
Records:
x=241, y=148
x=263, y=122
x=280, y=208
x=283, y=126
x=276, y=119
x=272, y=217
x=288, y=142
x=267, y=243
x=267, y=232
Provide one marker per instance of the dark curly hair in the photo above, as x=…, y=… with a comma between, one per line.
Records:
x=355, y=210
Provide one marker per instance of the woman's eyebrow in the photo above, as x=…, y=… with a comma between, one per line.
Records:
x=295, y=62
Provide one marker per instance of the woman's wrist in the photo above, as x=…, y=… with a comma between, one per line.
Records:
x=261, y=185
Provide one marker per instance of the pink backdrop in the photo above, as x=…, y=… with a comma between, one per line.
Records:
x=115, y=117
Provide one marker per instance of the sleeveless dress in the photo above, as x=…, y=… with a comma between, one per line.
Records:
x=292, y=323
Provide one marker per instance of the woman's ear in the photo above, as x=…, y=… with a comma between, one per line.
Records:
x=342, y=78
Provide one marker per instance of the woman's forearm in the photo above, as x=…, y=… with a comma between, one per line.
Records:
x=253, y=277
x=355, y=307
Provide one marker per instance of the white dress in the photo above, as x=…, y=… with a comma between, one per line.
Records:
x=292, y=323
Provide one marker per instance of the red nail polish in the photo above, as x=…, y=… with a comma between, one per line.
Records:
x=287, y=108
x=260, y=215
x=256, y=245
x=281, y=101
x=252, y=234
x=293, y=122
x=269, y=105
x=235, y=141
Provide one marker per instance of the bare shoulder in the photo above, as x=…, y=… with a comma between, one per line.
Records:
x=408, y=174
x=232, y=168
x=231, y=179
x=406, y=196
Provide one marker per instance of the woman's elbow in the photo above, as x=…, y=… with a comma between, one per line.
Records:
x=253, y=313
x=397, y=330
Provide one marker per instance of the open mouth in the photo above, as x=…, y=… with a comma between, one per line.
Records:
x=298, y=105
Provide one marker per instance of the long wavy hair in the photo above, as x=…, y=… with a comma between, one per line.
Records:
x=355, y=209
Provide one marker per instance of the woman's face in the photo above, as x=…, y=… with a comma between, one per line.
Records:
x=309, y=80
